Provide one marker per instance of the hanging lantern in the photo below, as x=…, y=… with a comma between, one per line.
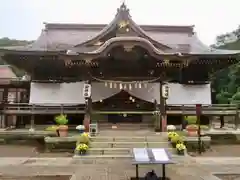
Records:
x=120, y=86
x=125, y=86
x=140, y=85
x=111, y=85
x=130, y=87
x=106, y=84
x=115, y=85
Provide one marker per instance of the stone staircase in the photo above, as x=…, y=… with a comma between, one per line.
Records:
x=125, y=126
x=121, y=146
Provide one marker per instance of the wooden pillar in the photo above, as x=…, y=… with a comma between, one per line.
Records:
x=156, y=116
x=32, y=121
x=18, y=95
x=5, y=95
x=222, y=121
x=4, y=104
x=183, y=124
x=211, y=122
x=3, y=121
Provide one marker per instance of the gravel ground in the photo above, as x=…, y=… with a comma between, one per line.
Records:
x=27, y=151
x=223, y=151
x=35, y=178
x=229, y=176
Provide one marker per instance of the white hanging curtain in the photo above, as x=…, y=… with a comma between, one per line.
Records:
x=100, y=91
x=147, y=93
x=55, y=94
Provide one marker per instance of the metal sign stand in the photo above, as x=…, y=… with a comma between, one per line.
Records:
x=92, y=128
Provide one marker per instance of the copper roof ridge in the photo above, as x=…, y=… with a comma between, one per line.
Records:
x=82, y=26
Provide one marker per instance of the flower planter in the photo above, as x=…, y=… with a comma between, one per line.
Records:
x=81, y=128
x=171, y=128
x=192, y=132
x=180, y=152
x=82, y=153
x=63, y=131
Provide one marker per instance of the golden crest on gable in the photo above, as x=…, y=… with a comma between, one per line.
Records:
x=123, y=24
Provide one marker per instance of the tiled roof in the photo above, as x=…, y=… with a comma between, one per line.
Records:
x=59, y=37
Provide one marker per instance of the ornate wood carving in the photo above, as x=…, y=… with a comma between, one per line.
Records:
x=128, y=47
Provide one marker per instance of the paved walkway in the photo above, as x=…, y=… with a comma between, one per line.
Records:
x=99, y=169
x=197, y=168
x=109, y=169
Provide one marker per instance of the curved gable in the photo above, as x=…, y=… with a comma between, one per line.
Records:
x=121, y=25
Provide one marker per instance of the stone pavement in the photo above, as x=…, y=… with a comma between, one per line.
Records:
x=198, y=168
x=100, y=169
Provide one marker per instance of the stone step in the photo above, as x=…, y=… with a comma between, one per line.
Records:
x=117, y=151
x=125, y=126
x=120, y=157
x=114, y=156
x=109, y=151
x=128, y=144
x=104, y=139
x=127, y=138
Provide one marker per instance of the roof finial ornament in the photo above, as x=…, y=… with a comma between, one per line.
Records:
x=123, y=3
x=123, y=6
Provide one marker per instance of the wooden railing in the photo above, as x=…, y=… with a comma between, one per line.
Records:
x=210, y=107
x=23, y=108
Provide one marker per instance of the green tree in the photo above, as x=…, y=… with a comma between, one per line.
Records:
x=4, y=42
x=227, y=81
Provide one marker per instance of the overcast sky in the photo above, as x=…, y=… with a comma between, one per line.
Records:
x=23, y=19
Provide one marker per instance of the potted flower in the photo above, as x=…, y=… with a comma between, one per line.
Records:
x=62, y=120
x=191, y=119
x=180, y=147
x=83, y=139
x=176, y=140
x=52, y=128
x=192, y=129
x=171, y=134
x=82, y=148
x=81, y=128
x=171, y=128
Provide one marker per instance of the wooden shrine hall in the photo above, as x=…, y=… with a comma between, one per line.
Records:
x=126, y=65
